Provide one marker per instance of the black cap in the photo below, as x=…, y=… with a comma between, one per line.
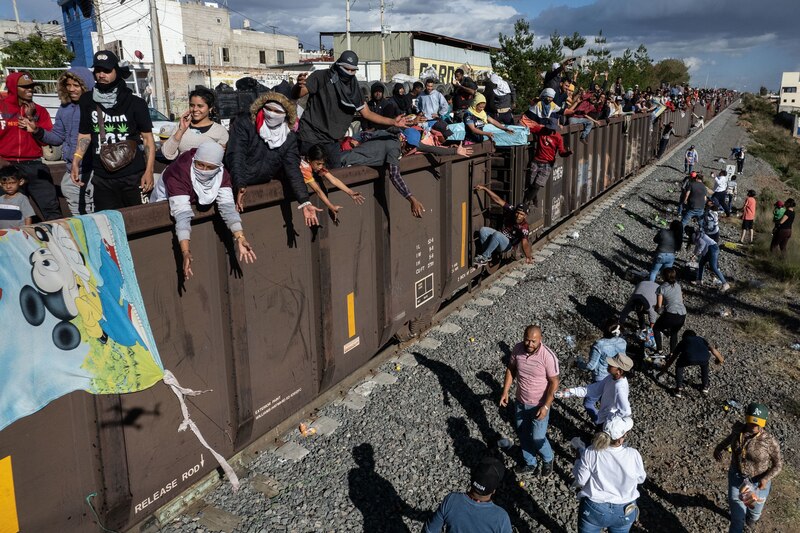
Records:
x=523, y=207
x=349, y=58
x=487, y=475
x=105, y=59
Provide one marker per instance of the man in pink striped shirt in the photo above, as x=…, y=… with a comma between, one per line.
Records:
x=535, y=368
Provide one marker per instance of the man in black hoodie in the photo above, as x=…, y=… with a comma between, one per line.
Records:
x=380, y=105
x=125, y=117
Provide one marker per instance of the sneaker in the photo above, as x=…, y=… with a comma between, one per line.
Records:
x=585, y=140
x=725, y=287
x=704, y=392
x=525, y=470
x=547, y=469
x=678, y=393
x=479, y=260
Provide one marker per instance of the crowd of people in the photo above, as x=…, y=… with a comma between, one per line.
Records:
x=110, y=152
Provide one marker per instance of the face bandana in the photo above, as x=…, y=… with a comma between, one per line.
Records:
x=206, y=183
x=274, y=129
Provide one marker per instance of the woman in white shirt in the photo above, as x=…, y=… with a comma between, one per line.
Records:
x=608, y=473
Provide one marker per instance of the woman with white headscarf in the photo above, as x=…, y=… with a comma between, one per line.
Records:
x=502, y=101
x=263, y=147
x=199, y=177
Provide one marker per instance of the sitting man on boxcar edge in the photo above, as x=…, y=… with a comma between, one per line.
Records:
x=514, y=231
x=334, y=97
x=380, y=105
x=265, y=147
x=548, y=143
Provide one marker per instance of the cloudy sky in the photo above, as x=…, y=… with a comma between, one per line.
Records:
x=734, y=43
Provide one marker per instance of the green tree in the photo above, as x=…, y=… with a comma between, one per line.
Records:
x=763, y=91
x=672, y=71
x=574, y=42
x=624, y=67
x=515, y=61
x=37, y=52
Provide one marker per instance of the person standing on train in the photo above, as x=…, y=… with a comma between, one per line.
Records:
x=548, y=143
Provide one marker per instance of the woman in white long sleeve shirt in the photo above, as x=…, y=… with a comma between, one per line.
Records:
x=608, y=474
x=612, y=391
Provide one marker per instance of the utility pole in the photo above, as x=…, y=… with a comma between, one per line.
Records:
x=101, y=45
x=346, y=20
x=383, y=45
x=19, y=26
x=159, y=69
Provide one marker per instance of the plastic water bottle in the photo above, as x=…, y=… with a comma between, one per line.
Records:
x=734, y=405
x=570, y=340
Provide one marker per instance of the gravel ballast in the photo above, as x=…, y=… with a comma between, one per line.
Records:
x=389, y=463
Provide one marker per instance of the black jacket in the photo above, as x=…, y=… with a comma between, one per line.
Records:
x=251, y=161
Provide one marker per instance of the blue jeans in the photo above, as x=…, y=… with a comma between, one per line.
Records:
x=590, y=405
x=587, y=125
x=691, y=213
x=687, y=167
x=711, y=257
x=593, y=517
x=492, y=240
x=739, y=512
x=663, y=260
x=532, y=433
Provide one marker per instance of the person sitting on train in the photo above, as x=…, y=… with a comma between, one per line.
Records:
x=514, y=231
x=542, y=110
x=380, y=105
x=476, y=118
x=264, y=147
x=334, y=97
x=379, y=149
x=198, y=177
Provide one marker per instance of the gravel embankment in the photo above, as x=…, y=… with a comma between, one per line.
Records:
x=388, y=465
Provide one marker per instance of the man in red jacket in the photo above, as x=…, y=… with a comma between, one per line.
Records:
x=19, y=148
x=548, y=143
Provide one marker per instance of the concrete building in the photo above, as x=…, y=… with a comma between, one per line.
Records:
x=10, y=32
x=194, y=32
x=789, y=95
x=412, y=52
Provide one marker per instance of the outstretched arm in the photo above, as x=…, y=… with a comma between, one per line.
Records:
x=496, y=199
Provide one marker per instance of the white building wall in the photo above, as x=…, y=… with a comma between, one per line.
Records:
x=789, y=95
x=130, y=23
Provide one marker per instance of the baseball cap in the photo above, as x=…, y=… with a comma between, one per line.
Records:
x=757, y=413
x=779, y=203
x=348, y=58
x=26, y=80
x=166, y=131
x=487, y=475
x=105, y=59
x=522, y=207
x=621, y=361
x=618, y=426
x=413, y=136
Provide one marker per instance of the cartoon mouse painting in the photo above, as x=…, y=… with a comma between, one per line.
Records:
x=62, y=286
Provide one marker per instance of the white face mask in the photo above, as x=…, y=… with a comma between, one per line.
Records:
x=205, y=175
x=273, y=119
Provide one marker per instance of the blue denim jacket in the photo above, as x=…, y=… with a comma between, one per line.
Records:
x=601, y=350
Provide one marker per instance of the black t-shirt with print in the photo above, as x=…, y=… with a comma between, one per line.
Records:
x=125, y=121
